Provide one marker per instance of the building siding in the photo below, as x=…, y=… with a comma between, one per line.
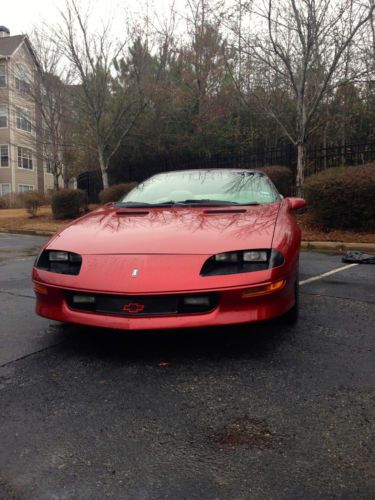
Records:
x=13, y=98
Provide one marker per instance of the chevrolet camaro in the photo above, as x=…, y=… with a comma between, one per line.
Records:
x=183, y=249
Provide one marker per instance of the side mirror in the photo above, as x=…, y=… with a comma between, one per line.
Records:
x=295, y=203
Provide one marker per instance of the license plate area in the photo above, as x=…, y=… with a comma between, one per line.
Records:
x=137, y=306
x=146, y=305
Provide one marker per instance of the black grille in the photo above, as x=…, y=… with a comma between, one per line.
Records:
x=147, y=305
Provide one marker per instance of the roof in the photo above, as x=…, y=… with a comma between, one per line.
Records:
x=4, y=29
x=9, y=44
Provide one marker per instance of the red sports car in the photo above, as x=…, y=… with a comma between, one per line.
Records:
x=183, y=249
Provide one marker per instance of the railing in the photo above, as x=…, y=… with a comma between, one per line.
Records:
x=318, y=158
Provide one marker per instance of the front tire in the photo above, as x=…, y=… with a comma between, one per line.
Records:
x=291, y=317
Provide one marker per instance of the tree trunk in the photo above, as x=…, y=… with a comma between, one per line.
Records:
x=103, y=169
x=56, y=176
x=65, y=177
x=301, y=158
x=105, y=179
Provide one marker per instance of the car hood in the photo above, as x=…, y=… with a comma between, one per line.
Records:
x=180, y=230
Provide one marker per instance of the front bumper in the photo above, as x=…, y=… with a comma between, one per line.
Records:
x=233, y=307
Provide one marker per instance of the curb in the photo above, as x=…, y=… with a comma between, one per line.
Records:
x=27, y=232
x=325, y=246
x=337, y=246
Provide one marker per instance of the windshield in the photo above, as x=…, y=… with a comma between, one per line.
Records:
x=204, y=187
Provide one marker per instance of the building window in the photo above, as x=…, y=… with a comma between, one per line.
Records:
x=25, y=158
x=22, y=78
x=3, y=116
x=4, y=156
x=4, y=189
x=23, y=121
x=3, y=75
x=25, y=188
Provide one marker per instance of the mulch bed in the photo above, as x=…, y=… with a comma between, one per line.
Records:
x=312, y=231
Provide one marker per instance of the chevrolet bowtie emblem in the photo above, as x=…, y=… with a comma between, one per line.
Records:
x=135, y=273
x=133, y=308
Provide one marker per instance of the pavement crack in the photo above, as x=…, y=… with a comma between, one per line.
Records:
x=17, y=294
x=372, y=303
x=28, y=355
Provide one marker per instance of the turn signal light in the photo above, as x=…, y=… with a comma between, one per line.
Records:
x=255, y=291
x=42, y=290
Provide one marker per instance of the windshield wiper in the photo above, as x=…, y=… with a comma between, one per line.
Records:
x=124, y=204
x=142, y=204
x=193, y=202
x=207, y=202
x=171, y=203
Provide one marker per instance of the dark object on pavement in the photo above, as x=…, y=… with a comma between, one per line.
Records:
x=358, y=258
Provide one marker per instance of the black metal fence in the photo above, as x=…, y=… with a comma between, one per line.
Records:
x=91, y=182
x=318, y=158
x=137, y=171
x=334, y=156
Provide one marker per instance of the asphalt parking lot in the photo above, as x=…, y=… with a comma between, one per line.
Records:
x=273, y=412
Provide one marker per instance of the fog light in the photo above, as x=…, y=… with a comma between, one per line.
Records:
x=263, y=289
x=196, y=301
x=83, y=299
x=42, y=290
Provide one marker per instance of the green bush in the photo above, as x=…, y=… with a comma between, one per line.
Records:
x=282, y=177
x=32, y=201
x=68, y=203
x=343, y=198
x=116, y=192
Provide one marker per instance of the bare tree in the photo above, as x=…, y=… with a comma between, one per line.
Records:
x=204, y=57
x=109, y=111
x=49, y=92
x=299, y=48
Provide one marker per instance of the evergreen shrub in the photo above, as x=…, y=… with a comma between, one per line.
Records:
x=281, y=176
x=343, y=197
x=116, y=192
x=68, y=203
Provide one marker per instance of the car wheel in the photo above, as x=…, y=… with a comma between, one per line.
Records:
x=291, y=316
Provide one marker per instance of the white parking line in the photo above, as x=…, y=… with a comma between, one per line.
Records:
x=320, y=276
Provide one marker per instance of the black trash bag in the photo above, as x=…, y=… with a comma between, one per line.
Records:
x=355, y=257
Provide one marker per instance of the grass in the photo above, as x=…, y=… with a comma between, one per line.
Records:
x=17, y=219
x=20, y=220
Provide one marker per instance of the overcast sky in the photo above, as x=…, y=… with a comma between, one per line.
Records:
x=21, y=15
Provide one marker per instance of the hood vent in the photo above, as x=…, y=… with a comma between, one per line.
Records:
x=226, y=211
x=132, y=213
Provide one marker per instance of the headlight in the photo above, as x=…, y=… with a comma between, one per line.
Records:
x=247, y=256
x=255, y=256
x=58, y=261
x=55, y=256
x=228, y=257
x=276, y=259
x=243, y=261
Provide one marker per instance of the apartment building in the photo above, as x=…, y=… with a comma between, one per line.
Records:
x=22, y=160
